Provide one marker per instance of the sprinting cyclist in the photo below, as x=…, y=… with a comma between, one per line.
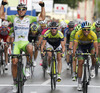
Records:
x=96, y=29
x=21, y=30
x=34, y=34
x=85, y=39
x=71, y=44
x=4, y=33
x=54, y=39
x=67, y=33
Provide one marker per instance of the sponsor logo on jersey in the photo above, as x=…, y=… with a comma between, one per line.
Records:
x=17, y=28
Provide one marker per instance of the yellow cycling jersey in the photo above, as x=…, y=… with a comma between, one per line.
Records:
x=82, y=39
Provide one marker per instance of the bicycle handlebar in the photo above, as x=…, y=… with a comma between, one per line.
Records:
x=52, y=50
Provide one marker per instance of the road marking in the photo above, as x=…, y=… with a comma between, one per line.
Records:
x=33, y=92
x=46, y=82
x=39, y=85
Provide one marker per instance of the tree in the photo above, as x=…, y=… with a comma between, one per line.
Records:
x=71, y=3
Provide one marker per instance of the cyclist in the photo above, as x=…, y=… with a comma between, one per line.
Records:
x=72, y=37
x=34, y=34
x=43, y=28
x=21, y=29
x=96, y=29
x=54, y=39
x=4, y=33
x=85, y=39
x=67, y=33
x=63, y=25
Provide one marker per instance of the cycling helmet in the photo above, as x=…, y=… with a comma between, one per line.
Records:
x=53, y=24
x=97, y=24
x=86, y=24
x=71, y=24
x=78, y=27
x=63, y=24
x=42, y=23
x=21, y=6
x=5, y=23
x=33, y=27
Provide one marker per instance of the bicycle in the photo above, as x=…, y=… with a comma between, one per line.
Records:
x=71, y=60
x=86, y=71
x=21, y=78
x=44, y=63
x=53, y=72
x=2, y=63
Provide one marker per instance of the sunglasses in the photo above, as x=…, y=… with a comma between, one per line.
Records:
x=86, y=29
x=21, y=9
x=54, y=28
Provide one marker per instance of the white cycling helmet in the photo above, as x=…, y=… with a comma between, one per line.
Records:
x=5, y=23
x=63, y=24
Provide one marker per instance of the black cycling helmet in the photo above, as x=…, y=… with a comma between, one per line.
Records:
x=53, y=24
x=33, y=27
x=71, y=24
x=97, y=24
x=21, y=6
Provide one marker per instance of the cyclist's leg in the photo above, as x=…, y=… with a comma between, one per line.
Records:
x=68, y=57
x=80, y=67
x=49, y=47
x=15, y=50
x=92, y=51
x=29, y=50
x=99, y=51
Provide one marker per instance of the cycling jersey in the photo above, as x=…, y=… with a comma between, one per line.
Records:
x=43, y=32
x=67, y=33
x=97, y=33
x=54, y=40
x=82, y=39
x=4, y=34
x=21, y=27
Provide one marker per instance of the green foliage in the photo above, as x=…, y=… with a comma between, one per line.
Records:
x=71, y=3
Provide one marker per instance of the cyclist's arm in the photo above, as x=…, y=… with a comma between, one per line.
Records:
x=40, y=39
x=42, y=14
x=2, y=14
x=96, y=48
x=43, y=44
x=74, y=48
x=63, y=46
x=64, y=40
x=70, y=45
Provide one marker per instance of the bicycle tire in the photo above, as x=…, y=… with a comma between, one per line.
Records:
x=84, y=81
x=71, y=64
x=32, y=70
x=96, y=68
x=20, y=79
x=45, y=65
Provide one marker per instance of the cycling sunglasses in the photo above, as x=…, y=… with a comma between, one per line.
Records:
x=86, y=29
x=53, y=28
x=21, y=9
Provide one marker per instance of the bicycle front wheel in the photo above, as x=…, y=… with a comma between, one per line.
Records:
x=84, y=81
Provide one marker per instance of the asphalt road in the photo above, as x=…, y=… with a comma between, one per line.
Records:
x=39, y=84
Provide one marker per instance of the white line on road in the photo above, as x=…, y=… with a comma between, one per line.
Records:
x=46, y=82
x=39, y=85
x=33, y=92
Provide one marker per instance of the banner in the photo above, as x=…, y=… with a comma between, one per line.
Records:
x=48, y=5
x=60, y=8
x=13, y=3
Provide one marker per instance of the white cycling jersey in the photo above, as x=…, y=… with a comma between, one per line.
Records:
x=21, y=27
